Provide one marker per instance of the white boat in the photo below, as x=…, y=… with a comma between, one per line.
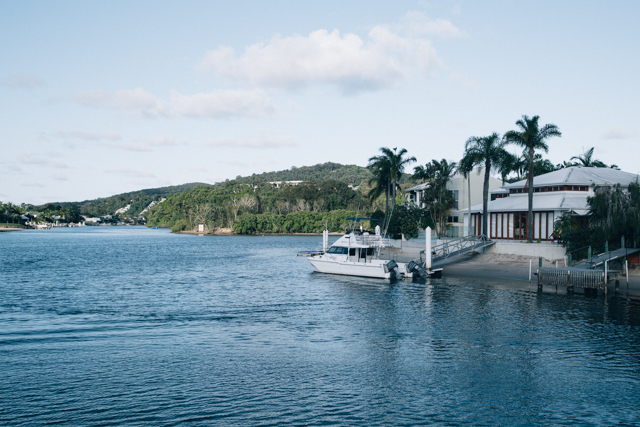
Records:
x=359, y=254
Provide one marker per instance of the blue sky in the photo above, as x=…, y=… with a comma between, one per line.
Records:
x=101, y=98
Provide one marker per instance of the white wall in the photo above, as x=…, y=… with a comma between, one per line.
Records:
x=548, y=251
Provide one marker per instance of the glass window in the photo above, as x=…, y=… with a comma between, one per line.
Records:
x=352, y=251
x=337, y=250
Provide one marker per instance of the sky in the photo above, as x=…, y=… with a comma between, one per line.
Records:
x=101, y=98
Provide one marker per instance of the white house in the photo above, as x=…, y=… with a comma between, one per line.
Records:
x=555, y=193
x=459, y=185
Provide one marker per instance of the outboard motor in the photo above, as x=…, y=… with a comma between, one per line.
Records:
x=417, y=269
x=392, y=267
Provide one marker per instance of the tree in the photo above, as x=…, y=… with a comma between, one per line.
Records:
x=586, y=160
x=531, y=137
x=438, y=198
x=487, y=151
x=387, y=169
x=465, y=167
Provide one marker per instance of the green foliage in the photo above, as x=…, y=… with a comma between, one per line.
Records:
x=260, y=207
x=296, y=222
x=406, y=219
x=181, y=225
x=614, y=212
x=438, y=198
x=350, y=174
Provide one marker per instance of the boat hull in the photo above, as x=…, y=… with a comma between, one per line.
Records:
x=373, y=269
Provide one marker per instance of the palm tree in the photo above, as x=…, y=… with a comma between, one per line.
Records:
x=530, y=136
x=465, y=167
x=586, y=160
x=489, y=152
x=438, y=198
x=387, y=169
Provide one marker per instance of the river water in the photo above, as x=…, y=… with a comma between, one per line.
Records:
x=134, y=326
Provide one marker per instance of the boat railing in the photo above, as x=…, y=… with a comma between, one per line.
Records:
x=373, y=240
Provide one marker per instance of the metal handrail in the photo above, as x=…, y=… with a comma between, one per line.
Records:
x=449, y=247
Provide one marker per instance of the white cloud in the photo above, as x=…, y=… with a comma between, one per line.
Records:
x=24, y=80
x=615, y=133
x=14, y=168
x=88, y=136
x=134, y=147
x=222, y=103
x=163, y=141
x=216, y=104
x=257, y=141
x=137, y=99
x=131, y=173
x=31, y=160
x=60, y=165
x=417, y=23
x=383, y=60
x=32, y=184
x=59, y=177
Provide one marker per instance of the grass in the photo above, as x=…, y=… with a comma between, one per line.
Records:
x=10, y=225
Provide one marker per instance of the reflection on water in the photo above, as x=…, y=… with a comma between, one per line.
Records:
x=131, y=326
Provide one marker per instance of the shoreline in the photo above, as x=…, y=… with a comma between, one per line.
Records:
x=513, y=270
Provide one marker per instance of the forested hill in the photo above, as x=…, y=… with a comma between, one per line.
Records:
x=350, y=174
x=138, y=200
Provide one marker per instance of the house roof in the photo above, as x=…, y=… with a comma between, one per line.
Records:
x=541, y=202
x=418, y=187
x=576, y=175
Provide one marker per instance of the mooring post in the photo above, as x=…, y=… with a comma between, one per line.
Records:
x=569, y=260
x=530, y=271
x=539, y=281
x=589, y=254
x=540, y=262
x=428, y=249
x=606, y=278
x=626, y=267
x=569, y=284
x=606, y=247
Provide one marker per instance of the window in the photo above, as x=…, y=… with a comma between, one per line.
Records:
x=455, y=199
x=452, y=219
x=369, y=251
x=337, y=250
x=352, y=251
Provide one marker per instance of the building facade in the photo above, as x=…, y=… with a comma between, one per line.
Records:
x=462, y=188
x=554, y=194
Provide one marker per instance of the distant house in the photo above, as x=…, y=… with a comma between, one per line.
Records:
x=555, y=193
x=278, y=184
x=89, y=219
x=460, y=188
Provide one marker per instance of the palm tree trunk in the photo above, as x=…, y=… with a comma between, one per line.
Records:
x=386, y=207
x=469, y=197
x=485, y=198
x=530, y=215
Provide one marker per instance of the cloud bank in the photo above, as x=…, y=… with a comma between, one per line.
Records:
x=382, y=60
x=216, y=104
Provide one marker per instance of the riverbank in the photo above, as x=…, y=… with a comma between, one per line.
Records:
x=514, y=270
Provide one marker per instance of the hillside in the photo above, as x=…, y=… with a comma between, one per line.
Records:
x=350, y=174
x=137, y=199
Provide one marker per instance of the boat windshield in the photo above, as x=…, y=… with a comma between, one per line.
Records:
x=338, y=250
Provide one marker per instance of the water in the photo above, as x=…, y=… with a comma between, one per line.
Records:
x=133, y=326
